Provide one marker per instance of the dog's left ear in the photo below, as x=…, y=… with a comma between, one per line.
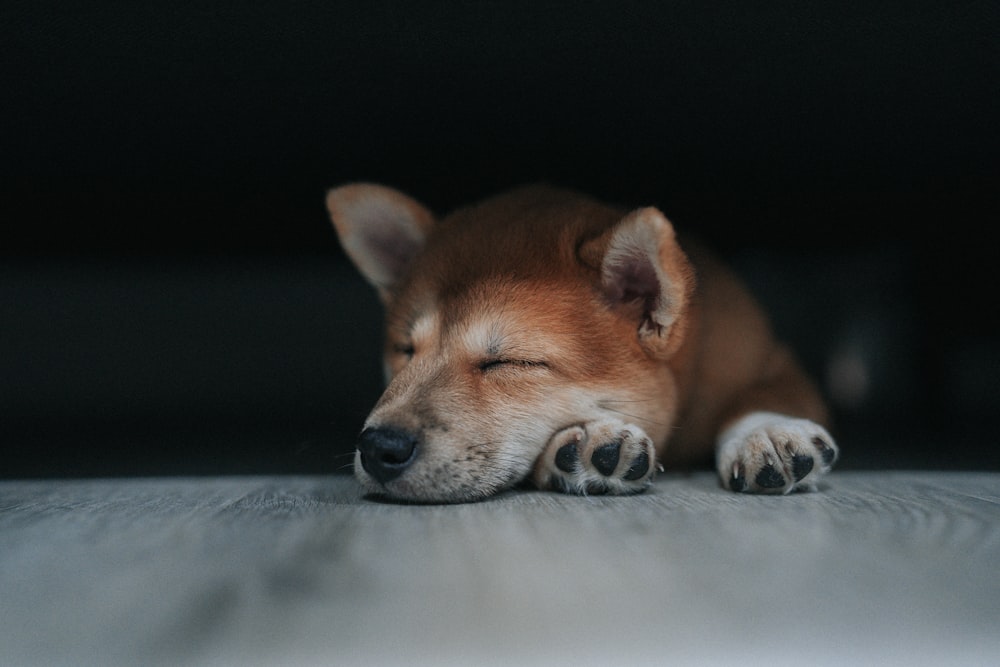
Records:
x=646, y=275
x=381, y=230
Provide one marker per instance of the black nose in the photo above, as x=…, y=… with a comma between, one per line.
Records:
x=386, y=452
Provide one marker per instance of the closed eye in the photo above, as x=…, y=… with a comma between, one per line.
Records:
x=404, y=349
x=497, y=363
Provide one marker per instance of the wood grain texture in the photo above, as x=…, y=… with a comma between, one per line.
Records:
x=877, y=568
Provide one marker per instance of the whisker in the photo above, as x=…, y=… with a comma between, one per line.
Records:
x=625, y=400
x=636, y=417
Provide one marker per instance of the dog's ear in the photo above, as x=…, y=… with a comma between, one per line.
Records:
x=645, y=274
x=381, y=230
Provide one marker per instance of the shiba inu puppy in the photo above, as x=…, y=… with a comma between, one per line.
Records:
x=541, y=335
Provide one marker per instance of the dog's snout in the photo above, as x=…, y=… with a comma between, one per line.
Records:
x=386, y=452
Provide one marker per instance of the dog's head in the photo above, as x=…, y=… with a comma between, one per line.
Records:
x=506, y=322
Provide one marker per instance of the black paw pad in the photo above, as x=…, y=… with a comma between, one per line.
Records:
x=567, y=457
x=769, y=478
x=738, y=484
x=802, y=465
x=605, y=457
x=639, y=468
x=825, y=450
x=596, y=489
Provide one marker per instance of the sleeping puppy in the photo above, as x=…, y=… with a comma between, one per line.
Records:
x=543, y=336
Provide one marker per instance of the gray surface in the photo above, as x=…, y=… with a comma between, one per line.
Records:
x=877, y=568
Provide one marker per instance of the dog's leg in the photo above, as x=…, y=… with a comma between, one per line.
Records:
x=764, y=448
x=606, y=456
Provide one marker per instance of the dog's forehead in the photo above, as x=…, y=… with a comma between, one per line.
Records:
x=484, y=334
x=505, y=326
x=493, y=316
x=531, y=233
x=503, y=271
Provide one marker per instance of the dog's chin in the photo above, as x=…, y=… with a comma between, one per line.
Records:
x=403, y=490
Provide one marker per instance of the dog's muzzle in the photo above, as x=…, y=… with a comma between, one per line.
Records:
x=386, y=452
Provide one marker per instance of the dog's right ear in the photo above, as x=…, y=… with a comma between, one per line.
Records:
x=645, y=275
x=381, y=230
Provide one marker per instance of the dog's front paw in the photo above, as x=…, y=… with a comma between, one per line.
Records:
x=766, y=452
x=597, y=457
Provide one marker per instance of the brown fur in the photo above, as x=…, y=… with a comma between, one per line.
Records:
x=516, y=319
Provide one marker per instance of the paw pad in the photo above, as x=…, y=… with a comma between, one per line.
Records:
x=737, y=482
x=639, y=468
x=596, y=458
x=769, y=478
x=828, y=453
x=802, y=465
x=605, y=458
x=567, y=457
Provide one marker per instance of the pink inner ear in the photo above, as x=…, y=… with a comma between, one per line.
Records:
x=381, y=229
x=631, y=277
x=389, y=247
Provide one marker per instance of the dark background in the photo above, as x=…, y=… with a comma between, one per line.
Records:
x=173, y=300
